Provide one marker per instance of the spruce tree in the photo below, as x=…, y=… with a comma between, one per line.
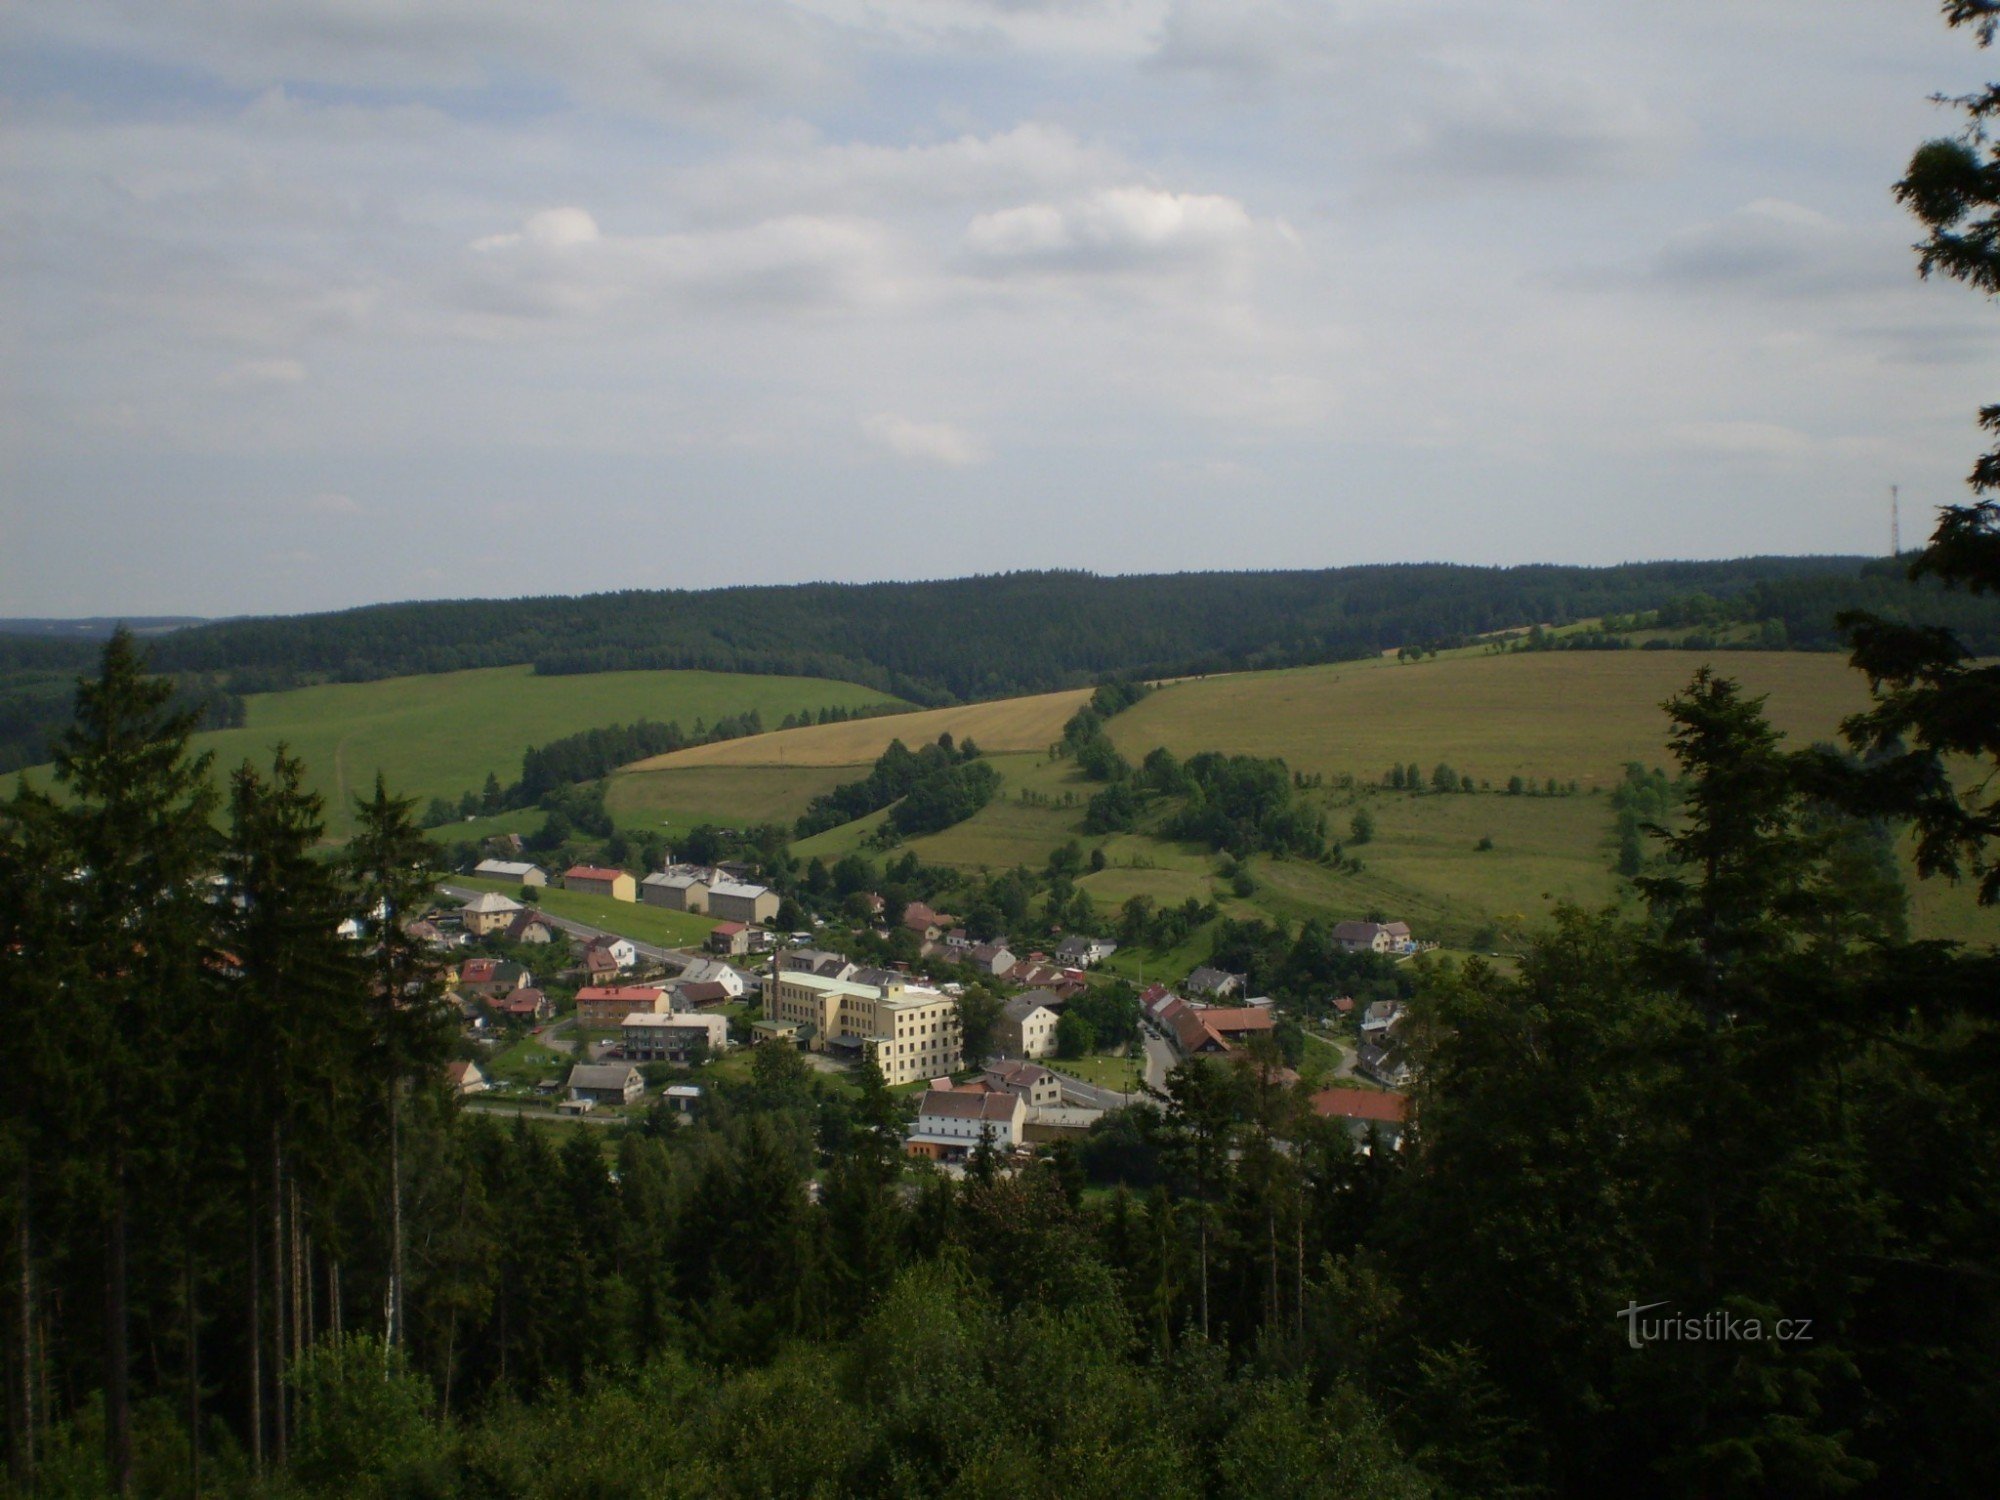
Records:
x=137, y=824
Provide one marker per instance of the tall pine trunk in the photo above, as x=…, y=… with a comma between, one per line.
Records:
x=117, y=1336
x=256, y=1344
x=395, y=1300
x=192, y=1337
x=278, y=1424
x=24, y=1409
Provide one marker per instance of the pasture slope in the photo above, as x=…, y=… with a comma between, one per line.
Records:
x=1574, y=716
x=1008, y=724
x=440, y=736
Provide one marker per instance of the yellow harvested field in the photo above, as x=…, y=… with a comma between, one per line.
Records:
x=1011, y=724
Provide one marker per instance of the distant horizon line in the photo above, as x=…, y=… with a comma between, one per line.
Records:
x=97, y=626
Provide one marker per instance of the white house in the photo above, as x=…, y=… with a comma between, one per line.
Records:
x=952, y=1122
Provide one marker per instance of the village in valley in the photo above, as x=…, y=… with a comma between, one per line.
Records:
x=568, y=1020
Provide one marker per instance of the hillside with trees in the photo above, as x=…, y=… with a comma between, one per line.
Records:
x=993, y=636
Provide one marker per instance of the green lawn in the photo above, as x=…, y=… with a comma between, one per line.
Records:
x=441, y=735
x=1101, y=1071
x=632, y=919
x=524, y=1063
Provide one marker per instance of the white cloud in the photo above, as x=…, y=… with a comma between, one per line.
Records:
x=925, y=442
x=550, y=229
x=1115, y=229
x=559, y=264
x=1032, y=158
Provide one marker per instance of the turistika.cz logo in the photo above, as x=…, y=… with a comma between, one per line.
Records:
x=1716, y=1327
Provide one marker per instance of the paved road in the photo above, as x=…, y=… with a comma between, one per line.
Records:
x=1160, y=1059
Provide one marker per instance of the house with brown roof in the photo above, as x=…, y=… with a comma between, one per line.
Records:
x=1201, y=1030
x=526, y=1004
x=729, y=937
x=951, y=1123
x=927, y=924
x=1365, y=1112
x=600, y=880
x=531, y=926
x=701, y=994
x=463, y=1077
x=604, y=1007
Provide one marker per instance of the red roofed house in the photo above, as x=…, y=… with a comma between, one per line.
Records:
x=1213, y=1030
x=596, y=880
x=492, y=977
x=526, y=1004
x=605, y=1007
x=1364, y=1110
x=729, y=937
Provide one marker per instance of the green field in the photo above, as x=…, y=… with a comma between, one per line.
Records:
x=440, y=736
x=632, y=919
x=1100, y=1070
x=1572, y=715
x=736, y=796
x=1569, y=714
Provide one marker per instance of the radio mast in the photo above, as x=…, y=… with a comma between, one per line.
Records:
x=1895, y=521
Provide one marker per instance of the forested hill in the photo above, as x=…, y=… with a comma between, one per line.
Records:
x=1017, y=632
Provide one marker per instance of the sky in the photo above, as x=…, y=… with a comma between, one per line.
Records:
x=314, y=303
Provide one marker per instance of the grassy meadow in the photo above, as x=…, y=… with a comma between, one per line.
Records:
x=682, y=797
x=441, y=735
x=631, y=919
x=1571, y=715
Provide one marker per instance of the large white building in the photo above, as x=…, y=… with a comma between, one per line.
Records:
x=910, y=1030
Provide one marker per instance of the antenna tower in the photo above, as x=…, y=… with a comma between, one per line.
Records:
x=1895, y=521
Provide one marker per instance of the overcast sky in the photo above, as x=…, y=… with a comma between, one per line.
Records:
x=307, y=303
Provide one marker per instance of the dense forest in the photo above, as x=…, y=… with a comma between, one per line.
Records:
x=931, y=787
